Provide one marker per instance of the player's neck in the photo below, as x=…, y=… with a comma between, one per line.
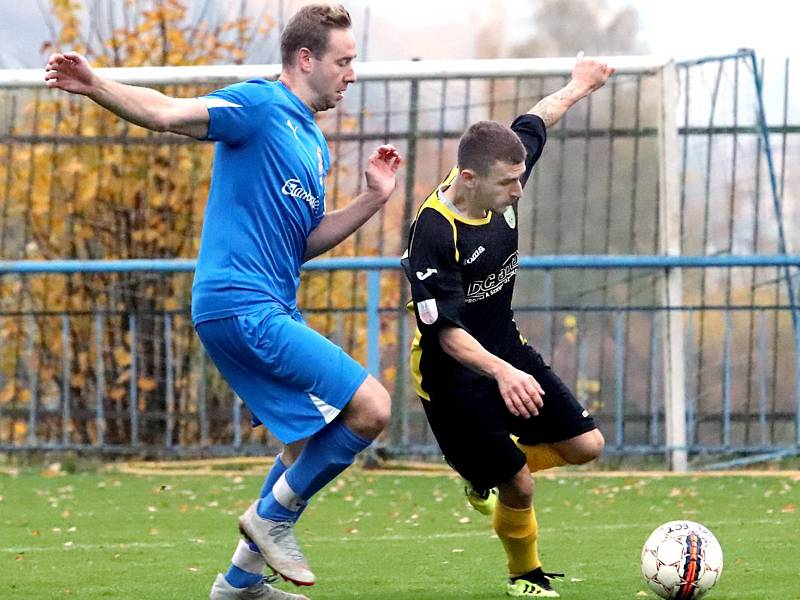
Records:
x=297, y=86
x=463, y=200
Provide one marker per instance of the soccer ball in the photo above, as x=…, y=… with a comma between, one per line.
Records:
x=681, y=559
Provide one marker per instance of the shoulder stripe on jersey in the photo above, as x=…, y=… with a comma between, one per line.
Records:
x=212, y=102
x=433, y=202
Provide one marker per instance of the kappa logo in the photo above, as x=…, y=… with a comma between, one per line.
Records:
x=475, y=255
x=423, y=276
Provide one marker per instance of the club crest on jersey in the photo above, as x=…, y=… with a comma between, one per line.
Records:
x=510, y=217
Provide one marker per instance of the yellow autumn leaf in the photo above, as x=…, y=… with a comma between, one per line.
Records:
x=146, y=384
x=122, y=356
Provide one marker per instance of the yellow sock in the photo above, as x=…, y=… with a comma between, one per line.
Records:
x=540, y=456
x=517, y=529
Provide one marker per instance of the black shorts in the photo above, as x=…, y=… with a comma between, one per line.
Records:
x=473, y=427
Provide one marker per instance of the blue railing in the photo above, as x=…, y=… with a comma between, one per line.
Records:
x=633, y=419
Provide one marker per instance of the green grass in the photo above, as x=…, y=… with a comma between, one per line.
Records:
x=110, y=535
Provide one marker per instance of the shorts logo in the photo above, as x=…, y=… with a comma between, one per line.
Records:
x=423, y=276
x=428, y=311
x=585, y=414
x=294, y=189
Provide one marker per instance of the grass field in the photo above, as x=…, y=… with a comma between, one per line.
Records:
x=164, y=535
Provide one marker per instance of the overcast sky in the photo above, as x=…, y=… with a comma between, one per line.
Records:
x=401, y=30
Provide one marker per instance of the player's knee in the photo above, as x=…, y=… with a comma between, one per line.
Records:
x=369, y=411
x=590, y=448
x=380, y=410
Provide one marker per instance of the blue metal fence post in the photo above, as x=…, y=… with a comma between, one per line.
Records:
x=726, y=381
x=619, y=379
x=100, y=380
x=776, y=201
x=65, y=381
x=134, y=383
x=373, y=322
x=33, y=382
x=170, y=384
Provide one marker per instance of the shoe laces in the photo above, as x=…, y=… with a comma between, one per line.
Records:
x=283, y=535
x=540, y=578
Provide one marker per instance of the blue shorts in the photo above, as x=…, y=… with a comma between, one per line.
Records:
x=292, y=379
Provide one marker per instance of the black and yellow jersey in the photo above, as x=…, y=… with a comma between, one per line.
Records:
x=462, y=274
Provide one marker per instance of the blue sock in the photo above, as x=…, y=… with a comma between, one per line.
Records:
x=236, y=576
x=327, y=453
x=278, y=469
x=242, y=579
x=247, y=567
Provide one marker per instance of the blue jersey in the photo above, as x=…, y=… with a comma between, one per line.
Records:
x=267, y=195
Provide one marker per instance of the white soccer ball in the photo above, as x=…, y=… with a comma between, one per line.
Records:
x=681, y=559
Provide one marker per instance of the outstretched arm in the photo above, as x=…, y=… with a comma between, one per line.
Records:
x=142, y=106
x=587, y=76
x=336, y=226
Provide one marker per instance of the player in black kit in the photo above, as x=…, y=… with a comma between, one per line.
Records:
x=497, y=410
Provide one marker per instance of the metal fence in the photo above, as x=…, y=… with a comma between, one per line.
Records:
x=107, y=359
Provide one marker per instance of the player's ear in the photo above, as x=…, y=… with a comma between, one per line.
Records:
x=469, y=177
x=304, y=60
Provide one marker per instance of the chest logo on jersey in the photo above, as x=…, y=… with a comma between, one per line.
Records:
x=510, y=217
x=480, y=290
x=428, y=272
x=475, y=255
x=294, y=189
x=293, y=128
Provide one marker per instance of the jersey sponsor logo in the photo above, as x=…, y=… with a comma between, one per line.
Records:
x=428, y=272
x=510, y=217
x=293, y=128
x=294, y=189
x=482, y=289
x=428, y=311
x=475, y=255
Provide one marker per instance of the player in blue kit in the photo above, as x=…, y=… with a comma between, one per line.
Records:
x=266, y=216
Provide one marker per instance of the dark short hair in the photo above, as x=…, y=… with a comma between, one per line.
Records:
x=487, y=142
x=310, y=28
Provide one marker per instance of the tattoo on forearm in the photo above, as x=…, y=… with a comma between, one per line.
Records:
x=551, y=108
